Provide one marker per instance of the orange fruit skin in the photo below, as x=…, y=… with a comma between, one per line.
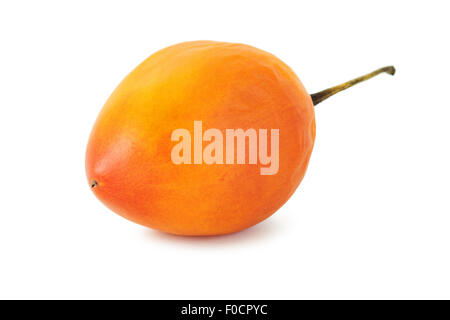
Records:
x=226, y=86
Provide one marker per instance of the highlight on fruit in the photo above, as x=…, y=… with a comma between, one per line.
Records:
x=204, y=138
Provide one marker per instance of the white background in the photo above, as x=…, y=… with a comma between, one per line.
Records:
x=371, y=219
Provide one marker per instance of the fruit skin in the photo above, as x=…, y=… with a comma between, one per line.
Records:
x=227, y=86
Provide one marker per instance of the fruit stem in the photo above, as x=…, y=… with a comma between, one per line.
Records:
x=94, y=183
x=324, y=94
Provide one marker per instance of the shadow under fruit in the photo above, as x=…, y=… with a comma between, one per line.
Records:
x=226, y=86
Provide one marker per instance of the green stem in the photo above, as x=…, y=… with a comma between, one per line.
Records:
x=322, y=95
